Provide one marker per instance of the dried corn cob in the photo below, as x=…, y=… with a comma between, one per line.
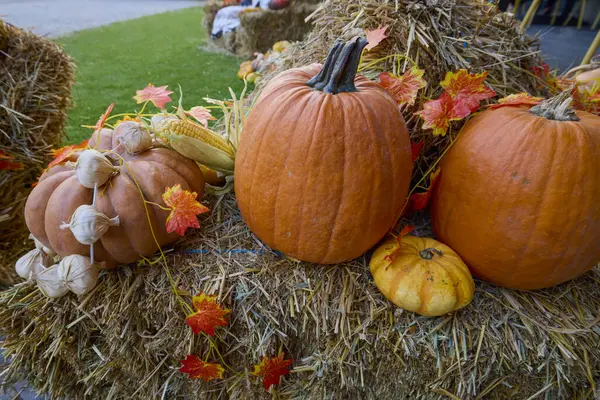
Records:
x=187, y=128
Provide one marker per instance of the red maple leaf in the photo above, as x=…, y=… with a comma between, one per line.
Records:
x=415, y=149
x=63, y=153
x=375, y=36
x=201, y=114
x=272, y=369
x=184, y=208
x=7, y=162
x=466, y=90
x=437, y=114
x=518, y=99
x=198, y=369
x=403, y=88
x=208, y=314
x=419, y=201
x=159, y=96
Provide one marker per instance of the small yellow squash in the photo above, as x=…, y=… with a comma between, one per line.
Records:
x=422, y=275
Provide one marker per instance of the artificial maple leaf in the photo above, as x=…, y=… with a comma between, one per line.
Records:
x=7, y=162
x=65, y=152
x=419, y=201
x=102, y=120
x=184, y=208
x=518, y=99
x=201, y=114
x=406, y=229
x=375, y=36
x=415, y=149
x=466, y=90
x=159, y=96
x=198, y=369
x=208, y=314
x=437, y=114
x=404, y=88
x=272, y=369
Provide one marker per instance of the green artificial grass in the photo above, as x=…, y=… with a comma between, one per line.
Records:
x=116, y=60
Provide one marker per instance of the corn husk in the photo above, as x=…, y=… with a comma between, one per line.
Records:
x=93, y=168
x=201, y=152
x=50, y=284
x=158, y=122
x=78, y=273
x=133, y=136
x=32, y=263
x=88, y=224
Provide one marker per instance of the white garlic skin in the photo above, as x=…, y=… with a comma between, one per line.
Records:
x=32, y=263
x=50, y=284
x=88, y=224
x=133, y=136
x=78, y=273
x=92, y=167
x=40, y=246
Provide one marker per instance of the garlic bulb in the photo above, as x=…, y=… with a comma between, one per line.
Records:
x=88, y=224
x=40, y=246
x=78, y=273
x=93, y=167
x=50, y=284
x=32, y=263
x=134, y=136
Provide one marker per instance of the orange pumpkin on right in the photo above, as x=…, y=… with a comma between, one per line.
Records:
x=518, y=197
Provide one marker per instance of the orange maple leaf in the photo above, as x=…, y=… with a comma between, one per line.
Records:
x=419, y=201
x=208, y=314
x=466, y=90
x=375, y=36
x=437, y=114
x=518, y=99
x=159, y=96
x=198, y=369
x=415, y=149
x=404, y=88
x=406, y=229
x=63, y=153
x=184, y=208
x=272, y=369
x=102, y=120
x=201, y=114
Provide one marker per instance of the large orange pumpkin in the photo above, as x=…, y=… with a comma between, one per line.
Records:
x=518, y=196
x=324, y=161
x=59, y=193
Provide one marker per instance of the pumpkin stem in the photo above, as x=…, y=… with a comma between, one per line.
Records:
x=557, y=108
x=339, y=70
x=429, y=252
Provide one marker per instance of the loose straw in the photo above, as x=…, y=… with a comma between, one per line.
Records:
x=529, y=16
x=592, y=50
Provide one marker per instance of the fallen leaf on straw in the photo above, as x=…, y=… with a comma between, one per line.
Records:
x=272, y=369
x=375, y=36
x=437, y=114
x=159, y=96
x=198, y=369
x=466, y=90
x=420, y=201
x=184, y=208
x=415, y=149
x=404, y=88
x=208, y=314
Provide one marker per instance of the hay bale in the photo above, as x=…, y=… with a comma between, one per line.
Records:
x=124, y=339
x=259, y=30
x=35, y=85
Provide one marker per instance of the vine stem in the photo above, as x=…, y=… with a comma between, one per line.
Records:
x=187, y=310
